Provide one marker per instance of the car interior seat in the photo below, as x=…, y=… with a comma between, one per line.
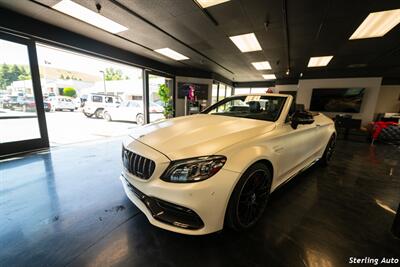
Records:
x=254, y=107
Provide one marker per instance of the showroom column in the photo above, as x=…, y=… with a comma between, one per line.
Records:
x=396, y=223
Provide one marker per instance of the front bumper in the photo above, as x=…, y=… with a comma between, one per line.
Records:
x=166, y=212
x=203, y=203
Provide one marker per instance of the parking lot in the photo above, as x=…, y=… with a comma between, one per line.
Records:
x=64, y=127
x=74, y=127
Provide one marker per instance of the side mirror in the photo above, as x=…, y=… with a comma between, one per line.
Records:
x=301, y=118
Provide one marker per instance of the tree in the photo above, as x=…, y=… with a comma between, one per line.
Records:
x=69, y=91
x=10, y=74
x=164, y=94
x=24, y=75
x=113, y=75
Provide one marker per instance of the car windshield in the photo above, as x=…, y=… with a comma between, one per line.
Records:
x=259, y=107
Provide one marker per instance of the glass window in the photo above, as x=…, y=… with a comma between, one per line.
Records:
x=97, y=98
x=221, y=91
x=260, y=107
x=18, y=117
x=214, y=93
x=228, y=91
x=79, y=77
x=160, y=97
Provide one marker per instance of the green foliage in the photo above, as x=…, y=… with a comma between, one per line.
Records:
x=164, y=94
x=69, y=91
x=114, y=75
x=12, y=73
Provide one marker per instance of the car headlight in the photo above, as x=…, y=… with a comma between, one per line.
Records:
x=193, y=170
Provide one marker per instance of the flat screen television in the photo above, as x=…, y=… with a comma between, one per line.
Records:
x=337, y=99
x=199, y=91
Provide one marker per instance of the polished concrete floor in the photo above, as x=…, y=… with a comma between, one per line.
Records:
x=67, y=208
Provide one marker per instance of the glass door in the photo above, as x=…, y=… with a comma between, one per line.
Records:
x=160, y=97
x=22, y=123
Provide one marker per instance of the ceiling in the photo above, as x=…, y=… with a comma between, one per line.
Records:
x=314, y=28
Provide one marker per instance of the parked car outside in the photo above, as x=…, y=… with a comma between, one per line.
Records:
x=61, y=103
x=96, y=103
x=195, y=174
x=47, y=105
x=132, y=110
x=14, y=102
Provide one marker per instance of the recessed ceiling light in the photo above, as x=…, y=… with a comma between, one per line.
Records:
x=377, y=24
x=171, y=54
x=263, y=65
x=246, y=42
x=269, y=76
x=208, y=3
x=319, y=61
x=82, y=13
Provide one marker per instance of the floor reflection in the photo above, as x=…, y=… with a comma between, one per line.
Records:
x=68, y=208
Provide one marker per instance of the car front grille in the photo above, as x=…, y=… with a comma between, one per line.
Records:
x=137, y=165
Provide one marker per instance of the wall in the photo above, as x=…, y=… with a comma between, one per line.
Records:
x=285, y=87
x=372, y=86
x=180, y=103
x=389, y=99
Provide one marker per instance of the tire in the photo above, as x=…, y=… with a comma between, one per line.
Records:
x=72, y=110
x=107, y=116
x=139, y=119
x=87, y=114
x=99, y=113
x=329, y=150
x=249, y=198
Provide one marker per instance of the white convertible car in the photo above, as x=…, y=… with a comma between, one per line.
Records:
x=195, y=174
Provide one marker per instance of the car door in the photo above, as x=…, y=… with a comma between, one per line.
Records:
x=295, y=148
x=134, y=108
x=119, y=112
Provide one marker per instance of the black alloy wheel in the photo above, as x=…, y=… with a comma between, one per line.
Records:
x=329, y=151
x=249, y=198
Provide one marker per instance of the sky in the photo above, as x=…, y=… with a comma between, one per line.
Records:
x=13, y=53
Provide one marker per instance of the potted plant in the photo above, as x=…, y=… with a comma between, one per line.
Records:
x=164, y=94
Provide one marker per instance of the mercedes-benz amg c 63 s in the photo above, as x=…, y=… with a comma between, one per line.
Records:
x=195, y=174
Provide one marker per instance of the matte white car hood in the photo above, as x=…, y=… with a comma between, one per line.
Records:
x=199, y=135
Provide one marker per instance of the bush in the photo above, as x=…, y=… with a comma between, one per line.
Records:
x=69, y=91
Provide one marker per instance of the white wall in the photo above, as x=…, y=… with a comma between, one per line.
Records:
x=372, y=86
x=389, y=99
x=180, y=103
x=285, y=87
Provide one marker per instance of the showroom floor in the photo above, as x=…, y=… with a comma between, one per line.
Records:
x=67, y=207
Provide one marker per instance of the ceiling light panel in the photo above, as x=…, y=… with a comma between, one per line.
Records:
x=246, y=42
x=263, y=65
x=171, y=54
x=208, y=3
x=82, y=13
x=377, y=24
x=319, y=61
x=269, y=76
